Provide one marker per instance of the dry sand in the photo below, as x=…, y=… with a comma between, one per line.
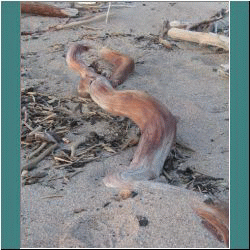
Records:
x=184, y=79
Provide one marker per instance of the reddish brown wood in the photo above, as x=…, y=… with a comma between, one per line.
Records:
x=41, y=9
x=216, y=219
x=157, y=124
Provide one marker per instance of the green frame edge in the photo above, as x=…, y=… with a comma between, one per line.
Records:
x=239, y=125
x=10, y=125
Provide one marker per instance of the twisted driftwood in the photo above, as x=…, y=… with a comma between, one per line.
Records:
x=157, y=125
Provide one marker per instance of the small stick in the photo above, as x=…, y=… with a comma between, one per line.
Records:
x=167, y=175
x=97, y=158
x=87, y=160
x=43, y=145
x=61, y=159
x=33, y=164
x=166, y=43
x=52, y=196
x=91, y=28
x=85, y=21
x=76, y=173
x=25, y=114
x=75, y=145
x=62, y=131
x=182, y=145
x=48, y=117
x=65, y=26
x=108, y=12
x=199, y=189
x=27, y=125
x=119, y=6
x=87, y=6
x=90, y=148
x=195, y=171
x=25, y=143
x=63, y=165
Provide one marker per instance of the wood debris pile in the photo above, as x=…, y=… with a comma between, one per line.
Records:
x=190, y=178
x=47, y=121
x=211, y=32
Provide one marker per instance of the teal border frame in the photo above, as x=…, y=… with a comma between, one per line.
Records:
x=10, y=124
x=239, y=125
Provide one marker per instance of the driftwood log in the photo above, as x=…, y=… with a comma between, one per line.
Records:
x=157, y=125
x=200, y=37
x=215, y=218
x=43, y=9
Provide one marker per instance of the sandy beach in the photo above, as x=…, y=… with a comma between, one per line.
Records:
x=80, y=211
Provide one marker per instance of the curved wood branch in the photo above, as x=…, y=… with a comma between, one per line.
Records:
x=157, y=124
x=158, y=131
x=215, y=219
x=123, y=65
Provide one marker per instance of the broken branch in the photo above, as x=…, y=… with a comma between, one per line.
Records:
x=200, y=37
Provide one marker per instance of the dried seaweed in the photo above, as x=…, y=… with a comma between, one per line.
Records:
x=191, y=178
x=48, y=120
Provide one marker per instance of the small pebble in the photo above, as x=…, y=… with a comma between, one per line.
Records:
x=79, y=210
x=143, y=221
x=25, y=173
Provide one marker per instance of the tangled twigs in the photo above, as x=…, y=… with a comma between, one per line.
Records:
x=198, y=32
x=43, y=145
x=42, y=137
x=33, y=163
x=51, y=119
x=207, y=23
x=37, y=129
x=75, y=145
